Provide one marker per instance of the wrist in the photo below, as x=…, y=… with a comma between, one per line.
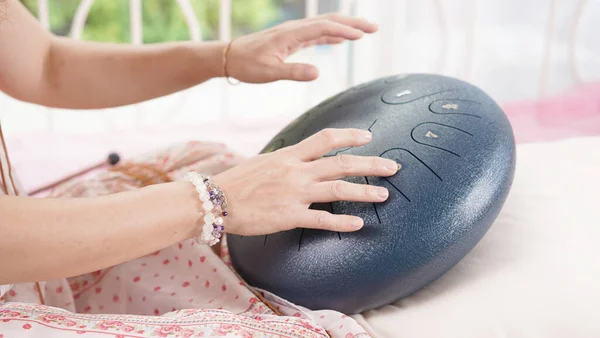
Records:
x=211, y=55
x=207, y=58
x=227, y=64
x=190, y=210
x=214, y=204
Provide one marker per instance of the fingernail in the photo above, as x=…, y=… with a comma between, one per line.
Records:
x=367, y=136
x=399, y=166
x=382, y=193
x=357, y=223
x=391, y=166
x=310, y=73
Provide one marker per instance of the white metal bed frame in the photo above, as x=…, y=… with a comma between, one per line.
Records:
x=386, y=62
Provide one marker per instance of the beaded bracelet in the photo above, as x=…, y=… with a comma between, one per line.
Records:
x=214, y=204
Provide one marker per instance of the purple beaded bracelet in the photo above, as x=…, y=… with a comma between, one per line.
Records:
x=214, y=203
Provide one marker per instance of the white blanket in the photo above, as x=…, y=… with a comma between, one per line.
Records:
x=536, y=273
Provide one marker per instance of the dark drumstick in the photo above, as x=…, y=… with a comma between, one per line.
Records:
x=111, y=160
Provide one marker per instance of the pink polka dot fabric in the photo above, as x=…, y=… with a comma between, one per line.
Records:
x=185, y=290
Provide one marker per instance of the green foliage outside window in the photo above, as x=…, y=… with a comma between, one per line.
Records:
x=163, y=20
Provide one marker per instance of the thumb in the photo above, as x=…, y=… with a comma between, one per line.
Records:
x=297, y=72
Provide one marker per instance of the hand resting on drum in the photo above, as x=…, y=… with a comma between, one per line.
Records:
x=272, y=192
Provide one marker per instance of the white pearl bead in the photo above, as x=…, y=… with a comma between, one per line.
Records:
x=207, y=206
x=204, y=196
x=208, y=232
x=209, y=218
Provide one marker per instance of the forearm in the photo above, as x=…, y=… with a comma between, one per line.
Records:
x=89, y=75
x=37, y=67
x=44, y=239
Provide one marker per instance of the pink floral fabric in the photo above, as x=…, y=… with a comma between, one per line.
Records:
x=42, y=321
x=185, y=290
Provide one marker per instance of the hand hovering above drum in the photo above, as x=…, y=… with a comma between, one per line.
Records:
x=260, y=57
x=272, y=192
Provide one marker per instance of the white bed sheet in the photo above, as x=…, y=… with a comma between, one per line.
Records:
x=536, y=273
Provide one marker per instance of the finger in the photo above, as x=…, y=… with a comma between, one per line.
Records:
x=317, y=29
x=326, y=140
x=340, y=166
x=358, y=23
x=317, y=219
x=297, y=72
x=333, y=191
x=326, y=40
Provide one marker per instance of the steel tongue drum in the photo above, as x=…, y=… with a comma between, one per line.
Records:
x=457, y=152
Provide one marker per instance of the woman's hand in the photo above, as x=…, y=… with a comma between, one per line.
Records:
x=260, y=57
x=272, y=192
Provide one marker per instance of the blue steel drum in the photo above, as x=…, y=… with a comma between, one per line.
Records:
x=457, y=152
